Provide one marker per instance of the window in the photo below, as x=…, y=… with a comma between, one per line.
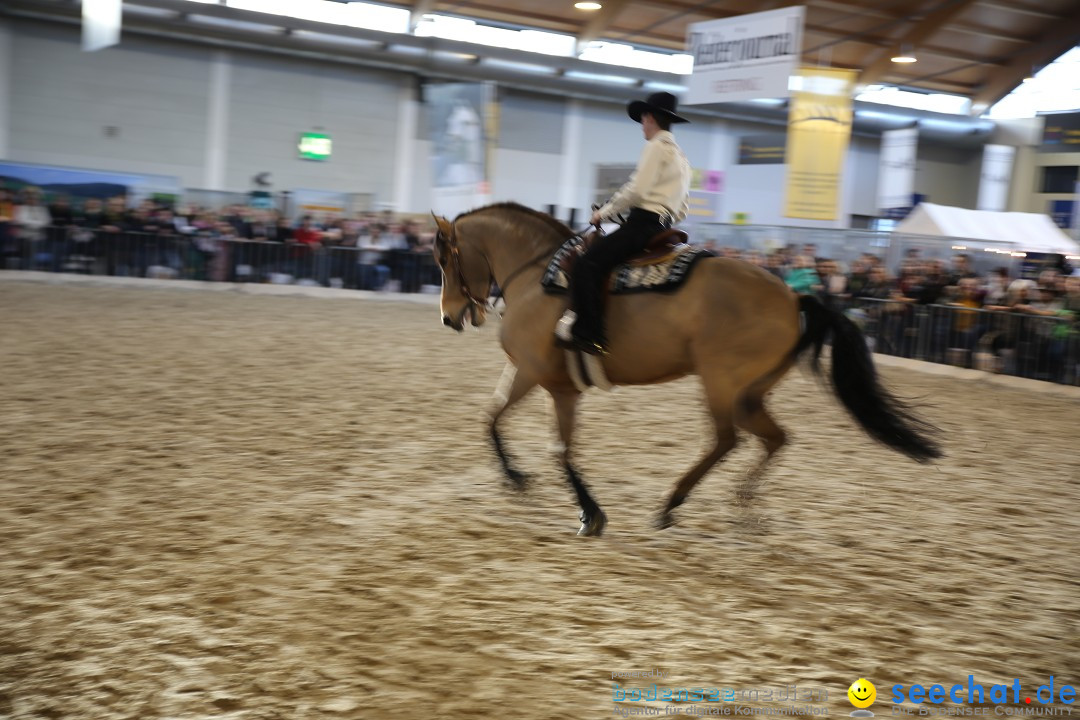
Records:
x=1055, y=88
x=1059, y=179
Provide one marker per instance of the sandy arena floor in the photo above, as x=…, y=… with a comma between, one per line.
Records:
x=230, y=506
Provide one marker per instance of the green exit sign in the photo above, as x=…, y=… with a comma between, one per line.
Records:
x=314, y=146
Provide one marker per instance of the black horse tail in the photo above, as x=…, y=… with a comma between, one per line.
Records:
x=855, y=381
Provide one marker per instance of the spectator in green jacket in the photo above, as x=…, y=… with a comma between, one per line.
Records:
x=802, y=277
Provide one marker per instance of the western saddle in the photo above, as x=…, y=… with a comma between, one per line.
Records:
x=660, y=249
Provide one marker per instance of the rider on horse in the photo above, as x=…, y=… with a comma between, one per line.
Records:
x=657, y=196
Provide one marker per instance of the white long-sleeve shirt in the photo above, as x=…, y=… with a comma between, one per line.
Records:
x=33, y=219
x=660, y=184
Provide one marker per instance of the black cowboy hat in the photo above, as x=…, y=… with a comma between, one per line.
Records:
x=661, y=104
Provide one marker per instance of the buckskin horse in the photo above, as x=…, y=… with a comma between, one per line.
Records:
x=731, y=323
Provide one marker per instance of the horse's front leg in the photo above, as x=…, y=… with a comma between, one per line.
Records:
x=593, y=518
x=513, y=386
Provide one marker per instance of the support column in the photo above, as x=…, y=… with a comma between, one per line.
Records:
x=7, y=57
x=721, y=157
x=405, y=154
x=217, y=122
x=571, y=191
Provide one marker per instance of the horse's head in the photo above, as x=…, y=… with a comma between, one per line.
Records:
x=466, y=278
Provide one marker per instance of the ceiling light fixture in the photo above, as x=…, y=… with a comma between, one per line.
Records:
x=588, y=5
x=905, y=55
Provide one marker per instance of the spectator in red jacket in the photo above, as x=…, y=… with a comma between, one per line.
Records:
x=307, y=233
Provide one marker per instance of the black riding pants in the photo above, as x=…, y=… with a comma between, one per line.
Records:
x=593, y=269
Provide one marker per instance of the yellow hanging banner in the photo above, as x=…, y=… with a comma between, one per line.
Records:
x=819, y=128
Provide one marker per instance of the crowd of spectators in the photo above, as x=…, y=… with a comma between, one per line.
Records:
x=947, y=312
x=367, y=251
x=926, y=309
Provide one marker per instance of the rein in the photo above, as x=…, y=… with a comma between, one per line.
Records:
x=511, y=276
x=455, y=258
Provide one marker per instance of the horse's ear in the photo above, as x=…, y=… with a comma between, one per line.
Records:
x=444, y=225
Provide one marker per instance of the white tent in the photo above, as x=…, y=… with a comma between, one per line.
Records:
x=1030, y=232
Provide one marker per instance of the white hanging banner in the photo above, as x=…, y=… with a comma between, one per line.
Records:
x=101, y=23
x=744, y=57
x=995, y=176
x=896, y=175
x=463, y=122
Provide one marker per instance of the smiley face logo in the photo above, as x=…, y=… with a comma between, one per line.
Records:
x=862, y=693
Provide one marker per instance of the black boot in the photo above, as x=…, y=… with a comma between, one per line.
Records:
x=587, y=302
x=588, y=338
x=571, y=333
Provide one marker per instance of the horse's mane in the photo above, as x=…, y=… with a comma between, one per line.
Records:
x=563, y=230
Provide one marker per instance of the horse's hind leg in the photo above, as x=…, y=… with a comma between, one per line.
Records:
x=752, y=417
x=513, y=386
x=593, y=518
x=721, y=406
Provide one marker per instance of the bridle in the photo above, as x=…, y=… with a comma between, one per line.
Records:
x=455, y=260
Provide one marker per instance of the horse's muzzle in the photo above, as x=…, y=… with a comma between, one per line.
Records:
x=451, y=323
x=475, y=315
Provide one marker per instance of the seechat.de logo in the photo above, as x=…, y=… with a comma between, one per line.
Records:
x=973, y=692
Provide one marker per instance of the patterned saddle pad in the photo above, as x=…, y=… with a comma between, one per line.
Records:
x=662, y=275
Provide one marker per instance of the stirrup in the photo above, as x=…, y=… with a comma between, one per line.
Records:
x=564, y=328
x=590, y=347
x=565, y=337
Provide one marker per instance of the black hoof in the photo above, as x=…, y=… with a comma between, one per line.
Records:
x=593, y=526
x=664, y=520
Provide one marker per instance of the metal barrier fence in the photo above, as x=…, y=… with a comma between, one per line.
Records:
x=198, y=257
x=847, y=245
x=1014, y=343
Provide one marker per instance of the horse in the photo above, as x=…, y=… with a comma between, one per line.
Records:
x=731, y=323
